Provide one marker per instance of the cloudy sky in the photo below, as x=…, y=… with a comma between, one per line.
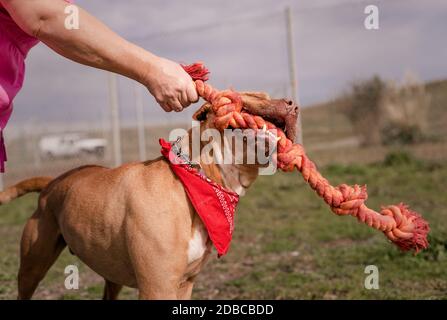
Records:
x=244, y=45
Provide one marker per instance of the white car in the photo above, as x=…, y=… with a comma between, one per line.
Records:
x=70, y=145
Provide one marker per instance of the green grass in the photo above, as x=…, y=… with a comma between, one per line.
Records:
x=287, y=243
x=295, y=248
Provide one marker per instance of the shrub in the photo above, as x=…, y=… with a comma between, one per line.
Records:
x=404, y=112
x=363, y=111
x=399, y=158
x=400, y=134
x=388, y=113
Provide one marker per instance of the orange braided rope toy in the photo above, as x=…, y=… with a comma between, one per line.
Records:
x=404, y=227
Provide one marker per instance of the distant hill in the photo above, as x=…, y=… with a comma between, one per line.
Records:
x=326, y=122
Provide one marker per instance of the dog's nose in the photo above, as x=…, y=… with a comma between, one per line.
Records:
x=291, y=118
x=292, y=107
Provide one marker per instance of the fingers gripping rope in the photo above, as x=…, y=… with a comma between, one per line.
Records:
x=404, y=227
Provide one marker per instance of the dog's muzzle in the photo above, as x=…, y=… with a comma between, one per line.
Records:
x=282, y=113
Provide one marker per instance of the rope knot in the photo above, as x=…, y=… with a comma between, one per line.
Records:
x=350, y=200
x=410, y=231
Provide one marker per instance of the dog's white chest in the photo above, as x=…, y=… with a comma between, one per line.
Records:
x=197, y=244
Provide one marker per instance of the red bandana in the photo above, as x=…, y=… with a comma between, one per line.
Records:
x=213, y=203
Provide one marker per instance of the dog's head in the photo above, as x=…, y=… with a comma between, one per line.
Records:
x=241, y=173
x=281, y=112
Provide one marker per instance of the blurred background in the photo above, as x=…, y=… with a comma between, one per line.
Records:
x=373, y=110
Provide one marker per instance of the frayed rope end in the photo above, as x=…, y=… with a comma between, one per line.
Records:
x=197, y=71
x=411, y=231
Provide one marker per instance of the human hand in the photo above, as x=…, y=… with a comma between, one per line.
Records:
x=171, y=86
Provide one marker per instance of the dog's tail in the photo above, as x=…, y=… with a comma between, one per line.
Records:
x=35, y=184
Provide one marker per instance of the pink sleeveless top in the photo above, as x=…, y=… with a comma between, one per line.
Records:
x=14, y=46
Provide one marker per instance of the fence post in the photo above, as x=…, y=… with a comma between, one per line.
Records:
x=114, y=110
x=140, y=122
x=292, y=69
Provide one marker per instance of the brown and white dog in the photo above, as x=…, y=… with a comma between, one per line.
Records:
x=133, y=225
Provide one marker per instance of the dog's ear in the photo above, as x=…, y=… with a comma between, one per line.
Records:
x=200, y=115
x=259, y=95
x=254, y=102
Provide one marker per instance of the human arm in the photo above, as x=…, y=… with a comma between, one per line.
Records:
x=95, y=45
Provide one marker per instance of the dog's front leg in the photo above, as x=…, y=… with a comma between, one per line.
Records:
x=157, y=276
x=159, y=258
x=185, y=290
x=153, y=291
x=157, y=273
x=111, y=290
